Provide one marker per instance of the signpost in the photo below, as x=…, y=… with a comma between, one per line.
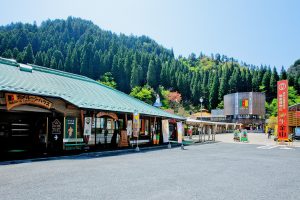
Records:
x=282, y=97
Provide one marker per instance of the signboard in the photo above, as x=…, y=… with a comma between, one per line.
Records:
x=297, y=131
x=70, y=132
x=179, y=131
x=73, y=140
x=56, y=127
x=109, y=114
x=136, y=124
x=87, y=126
x=123, y=142
x=244, y=103
x=13, y=100
x=282, y=97
x=165, y=130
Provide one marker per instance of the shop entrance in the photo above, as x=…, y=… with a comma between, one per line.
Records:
x=23, y=131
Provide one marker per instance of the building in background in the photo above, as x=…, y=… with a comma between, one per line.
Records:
x=202, y=115
x=247, y=108
x=294, y=120
x=217, y=115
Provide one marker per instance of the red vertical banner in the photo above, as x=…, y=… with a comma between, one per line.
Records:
x=282, y=98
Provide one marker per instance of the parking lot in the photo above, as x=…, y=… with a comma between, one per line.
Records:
x=202, y=171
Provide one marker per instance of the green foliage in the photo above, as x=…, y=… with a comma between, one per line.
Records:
x=145, y=93
x=80, y=47
x=28, y=54
x=213, y=93
x=221, y=105
x=164, y=97
x=151, y=74
x=293, y=98
x=108, y=79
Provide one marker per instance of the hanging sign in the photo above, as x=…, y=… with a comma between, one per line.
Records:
x=87, y=126
x=13, y=100
x=70, y=133
x=165, y=130
x=179, y=132
x=282, y=98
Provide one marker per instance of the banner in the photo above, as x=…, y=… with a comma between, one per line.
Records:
x=282, y=98
x=70, y=128
x=165, y=130
x=98, y=123
x=136, y=124
x=146, y=127
x=129, y=127
x=179, y=131
x=87, y=126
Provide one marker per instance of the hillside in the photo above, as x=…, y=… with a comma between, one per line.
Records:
x=79, y=46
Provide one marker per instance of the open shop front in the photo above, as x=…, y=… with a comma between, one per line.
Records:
x=117, y=130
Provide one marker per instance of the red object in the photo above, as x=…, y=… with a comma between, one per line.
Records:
x=282, y=97
x=11, y=98
x=297, y=114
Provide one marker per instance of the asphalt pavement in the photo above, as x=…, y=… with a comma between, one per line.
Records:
x=210, y=171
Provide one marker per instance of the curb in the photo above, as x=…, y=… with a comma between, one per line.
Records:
x=101, y=153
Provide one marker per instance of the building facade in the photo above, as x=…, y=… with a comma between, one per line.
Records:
x=47, y=110
x=247, y=108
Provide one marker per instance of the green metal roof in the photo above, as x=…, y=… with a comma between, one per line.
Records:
x=79, y=90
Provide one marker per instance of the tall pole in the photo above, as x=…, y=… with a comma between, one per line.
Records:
x=201, y=100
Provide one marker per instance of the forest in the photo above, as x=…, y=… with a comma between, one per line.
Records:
x=140, y=67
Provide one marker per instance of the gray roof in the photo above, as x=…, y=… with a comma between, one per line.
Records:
x=80, y=91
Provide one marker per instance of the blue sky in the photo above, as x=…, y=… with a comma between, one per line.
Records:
x=254, y=31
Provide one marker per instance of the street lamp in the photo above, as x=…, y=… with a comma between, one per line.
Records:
x=201, y=100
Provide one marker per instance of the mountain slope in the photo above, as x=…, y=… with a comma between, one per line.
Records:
x=79, y=46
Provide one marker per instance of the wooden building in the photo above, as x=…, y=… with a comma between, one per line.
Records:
x=44, y=110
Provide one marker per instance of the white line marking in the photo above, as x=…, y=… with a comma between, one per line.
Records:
x=267, y=147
